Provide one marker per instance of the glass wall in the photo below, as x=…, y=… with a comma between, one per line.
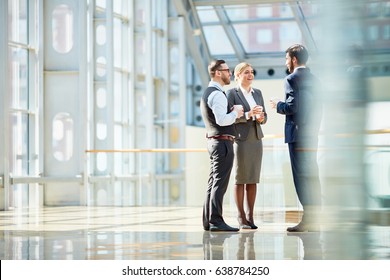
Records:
x=23, y=117
x=126, y=79
x=134, y=106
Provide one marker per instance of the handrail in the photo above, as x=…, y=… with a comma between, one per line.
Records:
x=93, y=178
x=45, y=179
x=267, y=136
x=145, y=150
x=378, y=131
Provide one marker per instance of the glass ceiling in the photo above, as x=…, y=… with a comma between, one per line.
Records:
x=259, y=31
x=260, y=28
x=257, y=28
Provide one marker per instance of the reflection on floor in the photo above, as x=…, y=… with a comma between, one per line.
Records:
x=173, y=233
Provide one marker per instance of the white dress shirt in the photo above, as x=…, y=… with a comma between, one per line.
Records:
x=218, y=103
x=251, y=101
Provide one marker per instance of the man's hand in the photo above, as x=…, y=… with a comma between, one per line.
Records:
x=274, y=102
x=239, y=110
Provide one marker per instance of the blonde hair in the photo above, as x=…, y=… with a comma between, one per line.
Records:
x=240, y=68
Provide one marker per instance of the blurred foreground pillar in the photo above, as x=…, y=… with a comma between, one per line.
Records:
x=344, y=215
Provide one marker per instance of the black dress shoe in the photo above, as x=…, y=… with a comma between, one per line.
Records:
x=206, y=228
x=223, y=227
x=243, y=225
x=252, y=225
x=302, y=227
x=296, y=228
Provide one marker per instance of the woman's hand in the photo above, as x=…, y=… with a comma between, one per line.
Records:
x=255, y=111
x=260, y=117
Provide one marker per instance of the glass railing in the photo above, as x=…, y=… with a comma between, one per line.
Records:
x=179, y=176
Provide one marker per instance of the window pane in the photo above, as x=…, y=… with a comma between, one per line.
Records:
x=19, y=144
x=101, y=3
x=118, y=60
x=207, y=14
x=140, y=50
x=118, y=7
x=140, y=6
x=118, y=100
x=261, y=11
x=220, y=44
x=270, y=37
x=101, y=162
x=173, y=69
x=118, y=142
x=62, y=29
x=264, y=11
x=19, y=78
x=18, y=20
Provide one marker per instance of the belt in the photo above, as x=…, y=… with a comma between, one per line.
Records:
x=222, y=137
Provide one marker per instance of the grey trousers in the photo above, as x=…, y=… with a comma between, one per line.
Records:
x=221, y=162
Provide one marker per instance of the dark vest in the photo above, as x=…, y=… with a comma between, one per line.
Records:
x=208, y=116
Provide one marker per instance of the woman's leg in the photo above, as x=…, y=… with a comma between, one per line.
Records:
x=250, y=194
x=239, y=199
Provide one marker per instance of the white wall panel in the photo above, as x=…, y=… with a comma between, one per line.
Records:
x=64, y=102
x=62, y=29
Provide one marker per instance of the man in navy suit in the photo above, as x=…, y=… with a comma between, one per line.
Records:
x=302, y=107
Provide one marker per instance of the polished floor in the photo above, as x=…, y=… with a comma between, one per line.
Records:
x=175, y=233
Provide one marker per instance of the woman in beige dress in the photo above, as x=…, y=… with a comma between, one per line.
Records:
x=248, y=147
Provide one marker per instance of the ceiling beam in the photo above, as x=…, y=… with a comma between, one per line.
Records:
x=303, y=26
x=230, y=33
x=195, y=39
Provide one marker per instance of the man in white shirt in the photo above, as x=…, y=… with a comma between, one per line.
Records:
x=219, y=118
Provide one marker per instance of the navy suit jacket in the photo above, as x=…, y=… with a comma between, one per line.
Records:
x=302, y=106
x=242, y=125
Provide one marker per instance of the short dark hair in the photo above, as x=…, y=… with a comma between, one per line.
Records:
x=300, y=52
x=214, y=66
